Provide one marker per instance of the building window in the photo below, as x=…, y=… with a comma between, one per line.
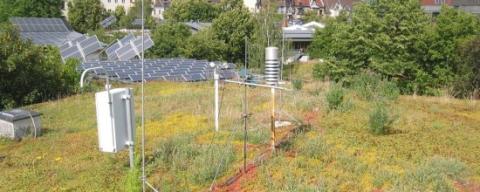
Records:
x=439, y=2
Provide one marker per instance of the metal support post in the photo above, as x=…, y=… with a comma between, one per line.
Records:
x=272, y=121
x=216, y=78
x=130, y=142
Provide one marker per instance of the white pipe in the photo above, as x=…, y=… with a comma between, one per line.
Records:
x=257, y=85
x=130, y=141
x=85, y=73
x=144, y=177
x=216, y=78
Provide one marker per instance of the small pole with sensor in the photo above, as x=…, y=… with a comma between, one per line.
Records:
x=272, y=73
x=216, y=79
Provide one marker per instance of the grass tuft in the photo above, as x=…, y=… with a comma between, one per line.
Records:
x=335, y=97
x=380, y=119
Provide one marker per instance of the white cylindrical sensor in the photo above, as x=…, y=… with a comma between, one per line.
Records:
x=272, y=66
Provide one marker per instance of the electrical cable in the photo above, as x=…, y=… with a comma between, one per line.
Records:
x=34, y=126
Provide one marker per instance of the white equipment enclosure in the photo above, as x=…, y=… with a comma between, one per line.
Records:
x=115, y=119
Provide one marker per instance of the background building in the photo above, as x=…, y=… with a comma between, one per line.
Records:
x=433, y=6
x=159, y=6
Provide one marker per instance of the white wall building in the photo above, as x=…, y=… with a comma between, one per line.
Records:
x=252, y=5
x=111, y=5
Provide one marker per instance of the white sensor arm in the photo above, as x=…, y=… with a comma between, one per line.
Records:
x=90, y=69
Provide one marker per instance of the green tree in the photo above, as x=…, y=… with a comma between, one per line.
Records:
x=30, y=8
x=29, y=73
x=265, y=33
x=468, y=65
x=169, y=39
x=121, y=16
x=386, y=37
x=228, y=5
x=204, y=45
x=309, y=16
x=85, y=15
x=135, y=12
x=191, y=10
x=451, y=28
x=232, y=27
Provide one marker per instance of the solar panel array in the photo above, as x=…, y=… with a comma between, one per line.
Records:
x=80, y=48
x=111, y=51
x=128, y=47
x=108, y=21
x=44, y=31
x=33, y=24
x=137, y=22
x=175, y=69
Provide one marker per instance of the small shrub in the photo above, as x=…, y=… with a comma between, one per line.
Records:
x=380, y=120
x=389, y=90
x=335, y=97
x=314, y=148
x=371, y=86
x=297, y=84
x=365, y=85
x=211, y=162
x=320, y=71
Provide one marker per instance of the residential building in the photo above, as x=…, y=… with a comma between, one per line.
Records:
x=159, y=6
x=301, y=35
x=433, y=6
x=111, y=5
x=295, y=9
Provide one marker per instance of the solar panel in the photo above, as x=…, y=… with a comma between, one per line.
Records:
x=137, y=22
x=148, y=43
x=80, y=47
x=90, y=45
x=71, y=52
x=176, y=70
x=108, y=21
x=134, y=48
x=110, y=51
x=33, y=24
x=77, y=38
x=44, y=31
x=135, y=78
x=195, y=77
x=126, y=52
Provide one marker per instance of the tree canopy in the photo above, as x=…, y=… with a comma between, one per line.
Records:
x=169, y=39
x=397, y=40
x=232, y=27
x=29, y=73
x=86, y=15
x=191, y=10
x=204, y=45
x=30, y=8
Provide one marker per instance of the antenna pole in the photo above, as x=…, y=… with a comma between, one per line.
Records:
x=272, y=121
x=143, y=98
x=216, y=78
x=245, y=112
